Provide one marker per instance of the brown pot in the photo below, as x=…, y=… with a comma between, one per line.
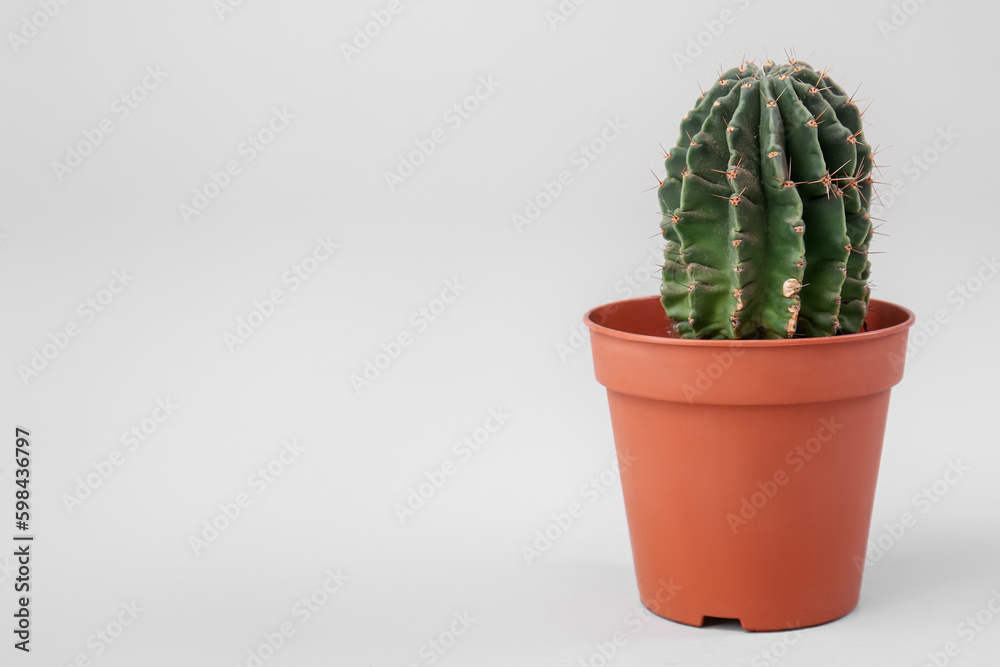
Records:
x=754, y=463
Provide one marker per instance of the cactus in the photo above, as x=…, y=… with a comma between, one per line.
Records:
x=766, y=209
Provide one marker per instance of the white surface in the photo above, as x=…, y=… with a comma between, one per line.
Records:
x=494, y=347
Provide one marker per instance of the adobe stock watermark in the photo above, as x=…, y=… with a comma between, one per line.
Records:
x=796, y=458
x=706, y=377
x=294, y=278
x=99, y=641
x=923, y=502
x=131, y=439
x=435, y=648
x=771, y=655
x=366, y=33
x=635, y=620
x=453, y=117
x=303, y=611
x=121, y=108
x=562, y=12
x=579, y=161
x=711, y=30
x=561, y=522
x=419, y=321
x=899, y=16
x=225, y=7
x=32, y=24
x=247, y=151
x=632, y=283
x=87, y=310
x=968, y=630
x=230, y=511
x=914, y=169
x=462, y=451
x=926, y=329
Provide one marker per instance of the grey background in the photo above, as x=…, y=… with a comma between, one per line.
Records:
x=509, y=341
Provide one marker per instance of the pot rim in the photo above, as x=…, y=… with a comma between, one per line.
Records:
x=892, y=330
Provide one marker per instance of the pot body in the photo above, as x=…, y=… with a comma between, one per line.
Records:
x=748, y=467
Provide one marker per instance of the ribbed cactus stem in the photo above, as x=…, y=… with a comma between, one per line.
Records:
x=766, y=209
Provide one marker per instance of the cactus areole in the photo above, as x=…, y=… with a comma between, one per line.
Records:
x=766, y=209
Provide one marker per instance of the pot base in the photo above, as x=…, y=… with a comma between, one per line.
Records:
x=762, y=621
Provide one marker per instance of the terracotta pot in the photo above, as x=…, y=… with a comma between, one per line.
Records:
x=751, y=465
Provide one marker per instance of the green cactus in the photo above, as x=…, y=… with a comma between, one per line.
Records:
x=766, y=209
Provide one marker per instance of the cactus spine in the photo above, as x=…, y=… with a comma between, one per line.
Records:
x=766, y=209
